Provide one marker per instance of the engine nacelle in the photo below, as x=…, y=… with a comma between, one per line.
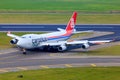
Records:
x=14, y=41
x=85, y=46
x=62, y=48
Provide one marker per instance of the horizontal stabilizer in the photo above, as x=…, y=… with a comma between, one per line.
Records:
x=60, y=29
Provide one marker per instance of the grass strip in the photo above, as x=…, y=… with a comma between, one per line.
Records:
x=60, y=18
x=113, y=50
x=60, y=5
x=80, y=73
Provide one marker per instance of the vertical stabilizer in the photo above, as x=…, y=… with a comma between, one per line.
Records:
x=72, y=22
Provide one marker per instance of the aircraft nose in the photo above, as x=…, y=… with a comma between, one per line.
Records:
x=20, y=43
x=23, y=43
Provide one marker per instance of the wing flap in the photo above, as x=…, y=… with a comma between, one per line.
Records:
x=100, y=42
x=86, y=41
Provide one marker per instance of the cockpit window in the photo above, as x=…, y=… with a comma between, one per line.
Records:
x=23, y=37
x=26, y=36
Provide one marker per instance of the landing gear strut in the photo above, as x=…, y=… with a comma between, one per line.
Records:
x=24, y=51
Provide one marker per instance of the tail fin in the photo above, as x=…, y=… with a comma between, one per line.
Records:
x=72, y=22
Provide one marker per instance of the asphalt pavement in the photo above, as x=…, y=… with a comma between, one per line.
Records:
x=16, y=61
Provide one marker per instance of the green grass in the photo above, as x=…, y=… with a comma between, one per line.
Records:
x=59, y=5
x=59, y=18
x=113, y=50
x=82, y=73
x=81, y=35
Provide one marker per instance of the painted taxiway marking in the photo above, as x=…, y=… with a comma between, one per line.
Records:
x=93, y=65
x=68, y=65
x=22, y=68
x=7, y=51
x=1, y=53
x=52, y=54
x=46, y=67
x=3, y=70
x=8, y=57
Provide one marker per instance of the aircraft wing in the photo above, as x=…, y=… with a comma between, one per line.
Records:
x=75, y=42
x=88, y=42
x=100, y=42
x=75, y=32
x=12, y=35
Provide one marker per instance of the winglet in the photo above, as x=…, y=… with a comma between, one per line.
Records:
x=8, y=32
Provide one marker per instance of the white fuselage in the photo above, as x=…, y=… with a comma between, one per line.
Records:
x=38, y=40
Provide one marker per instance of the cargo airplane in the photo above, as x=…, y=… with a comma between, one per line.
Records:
x=52, y=41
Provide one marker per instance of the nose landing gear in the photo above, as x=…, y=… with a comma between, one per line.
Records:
x=24, y=51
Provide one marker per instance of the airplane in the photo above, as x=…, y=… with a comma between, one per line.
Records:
x=54, y=40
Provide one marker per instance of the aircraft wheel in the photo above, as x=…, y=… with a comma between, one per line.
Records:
x=24, y=53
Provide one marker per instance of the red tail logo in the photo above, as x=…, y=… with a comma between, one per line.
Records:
x=72, y=22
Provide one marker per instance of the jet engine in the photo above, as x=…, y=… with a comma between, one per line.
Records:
x=14, y=41
x=62, y=48
x=85, y=46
